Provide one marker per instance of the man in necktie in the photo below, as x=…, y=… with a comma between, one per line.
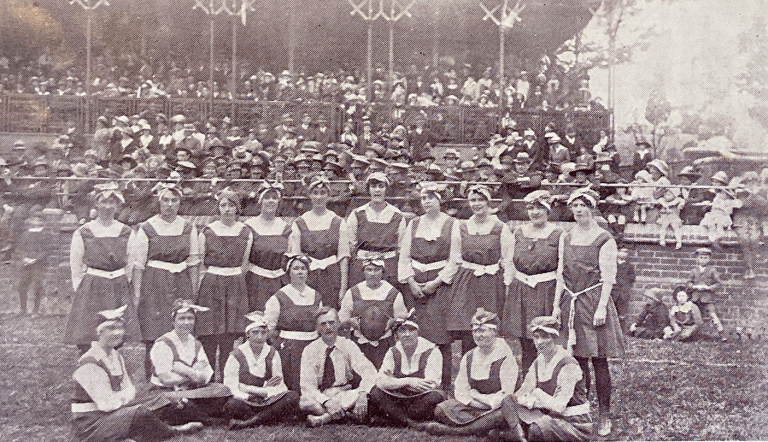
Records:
x=329, y=387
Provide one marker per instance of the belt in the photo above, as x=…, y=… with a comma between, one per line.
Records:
x=298, y=335
x=420, y=266
x=480, y=270
x=105, y=274
x=266, y=273
x=576, y=410
x=322, y=264
x=532, y=280
x=224, y=271
x=168, y=266
x=84, y=407
x=363, y=254
x=572, y=315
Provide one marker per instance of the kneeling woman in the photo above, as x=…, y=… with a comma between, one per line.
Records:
x=408, y=384
x=552, y=403
x=254, y=375
x=104, y=408
x=181, y=366
x=487, y=374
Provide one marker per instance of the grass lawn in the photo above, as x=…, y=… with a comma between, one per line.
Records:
x=662, y=391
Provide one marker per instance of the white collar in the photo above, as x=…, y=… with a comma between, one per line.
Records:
x=421, y=346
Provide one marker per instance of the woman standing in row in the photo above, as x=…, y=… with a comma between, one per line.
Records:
x=225, y=246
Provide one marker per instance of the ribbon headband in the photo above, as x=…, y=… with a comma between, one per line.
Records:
x=185, y=305
x=267, y=187
x=301, y=258
x=395, y=323
x=480, y=189
x=256, y=319
x=485, y=318
x=110, y=317
x=542, y=197
x=108, y=190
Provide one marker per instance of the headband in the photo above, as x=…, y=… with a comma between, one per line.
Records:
x=266, y=187
x=378, y=176
x=374, y=260
x=431, y=188
x=256, y=319
x=547, y=324
x=542, y=197
x=302, y=258
x=395, y=323
x=164, y=187
x=587, y=194
x=108, y=190
x=480, y=189
x=229, y=194
x=110, y=317
x=485, y=318
x=186, y=305
x=318, y=181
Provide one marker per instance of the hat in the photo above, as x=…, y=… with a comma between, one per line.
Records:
x=553, y=138
x=189, y=165
x=40, y=162
x=451, y=153
x=720, y=177
x=379, y=162
x=402, y=320
x=529, y=133
x=654, y=293
x=643, y=143
x=62, y=167
x=123, y=119
x=378, y=177
x=377, y=148
x=522, y=157
x=333, y=165
x=359, y=159
x=581, y=167
x=690, y=172
x=542, y=197
x=90, y=153
x=585, y=193
x=318, y=181
x=660, y=165
x=483, y=318
x=603, y=157
x=400, y=166
x=704, y=251
x=178, y=118
x=256, y=319
x=107, y=318
x=19, y=145
x=186, y=305
x=107, y=190
x=484, y=163
x=547, y=324
x=231, y=195
x=467, y=166
x=480, y=189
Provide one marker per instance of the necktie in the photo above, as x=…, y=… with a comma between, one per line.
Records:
x=329, y=376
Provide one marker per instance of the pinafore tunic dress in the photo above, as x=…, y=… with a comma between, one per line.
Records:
x=321, y=244
x=532, y=256
x=431, y=310
x=97, y=293
x=268, y=253
x=160, y=287
x=226, y=296
x=470, y=291
x=299, y=318
x=247, y=378
x=461, y=414
x=374, y=315
x=581, y=270
x=376, y=237
x=397, y=372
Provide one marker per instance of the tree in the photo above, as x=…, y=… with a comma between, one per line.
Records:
x=28, y=31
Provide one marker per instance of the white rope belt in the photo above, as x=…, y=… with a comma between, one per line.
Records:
x=168, y=266
x=84, y=407
x=224, y=271
x=480, y=270
x=298, y=335
x=105, y=274
x=532, y=280
x=322, y=264
x=572, y=315
x=364, y=254
x=266, y=273
x=423, y=268
x=576, y=410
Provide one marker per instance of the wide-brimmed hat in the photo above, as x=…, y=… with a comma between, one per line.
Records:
x=660, y=165
x=720, y=177
x=581, y=167
x=654, y=294
x=690, y=172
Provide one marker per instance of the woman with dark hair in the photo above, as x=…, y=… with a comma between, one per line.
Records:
x=592, y=331
x=484, y=242
x=166, y=268
x=290, y=315
x=532, y=272
x=101, y=259
x=225, y=246
x=322, y=236
x=270, y=245
x=428, y=254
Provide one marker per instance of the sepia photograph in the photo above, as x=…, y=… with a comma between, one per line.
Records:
x=383, y=220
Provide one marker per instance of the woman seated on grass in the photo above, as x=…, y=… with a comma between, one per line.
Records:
x=180, y=366
x=487, y=374
x=104, y=405
x=254, y=375
x=552, y=403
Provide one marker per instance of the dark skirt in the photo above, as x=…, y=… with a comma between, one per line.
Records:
x=327, y=283
x=460, y=414
x=523, y=304
x=557, y=428
x=260, y=289
x=606, y=341
x=431, y=310
x=469, y=292
x=290, y=355
x=94, y=295
x=159, y=288
x=227, y=298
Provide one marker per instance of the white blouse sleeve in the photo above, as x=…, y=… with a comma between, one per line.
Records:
x=194, y=248
x=607, y=262
x=454, y=258
x=294, y=240
x=507, y=250
x=343, y=251
x=141, y=249
x=404, y=267
x=76, y=264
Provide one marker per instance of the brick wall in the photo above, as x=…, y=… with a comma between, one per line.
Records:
x=743, y=304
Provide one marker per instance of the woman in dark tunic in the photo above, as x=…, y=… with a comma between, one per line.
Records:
x=291, y=313
x=270, y=244
x=166, y=269
x=224, y=246
x=101, y=259
x=532, y=273
x=322, y=235
x=479, y=283
x=428, y=254
x=591, y=325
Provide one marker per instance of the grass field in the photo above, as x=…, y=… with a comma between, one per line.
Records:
x=663, y=391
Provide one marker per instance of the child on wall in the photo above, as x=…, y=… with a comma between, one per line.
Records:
x=642, y=196
x=718, y=220
x=703, y=285
x=670, y=205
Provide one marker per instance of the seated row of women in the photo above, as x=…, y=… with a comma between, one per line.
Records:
x=337, y=382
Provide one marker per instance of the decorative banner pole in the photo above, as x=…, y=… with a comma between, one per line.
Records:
x=396, y=12
x=242, y=12
x=210, y=11
x=89, y=6
x=507, y=18
x=357, y=8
